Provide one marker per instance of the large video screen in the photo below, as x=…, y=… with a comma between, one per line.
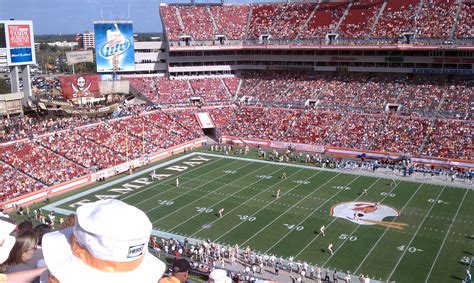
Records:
x=114, y=46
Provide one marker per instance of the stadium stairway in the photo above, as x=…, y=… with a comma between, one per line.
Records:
x=377, y=18
x=37, y=143
x=346, y=12
x=216, y=29
x=456, y=19
x=180, y=20
x=305, y=25
x=22, y=172
x=229, y=94
x=247, y=26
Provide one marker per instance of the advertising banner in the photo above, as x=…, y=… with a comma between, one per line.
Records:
x=74, y=57
x=114, y=46
x=78, y=86
x=21, y=55
x=19, y=35
x=17, y=38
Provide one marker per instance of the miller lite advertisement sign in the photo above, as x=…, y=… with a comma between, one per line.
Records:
x=19, y=39
x=114, y=46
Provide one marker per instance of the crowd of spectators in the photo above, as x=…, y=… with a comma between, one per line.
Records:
x=436, y=18
x=230, y=20
x=360, y=19
x=289, y=21
x=398, y=17
x=380, y=90
x=41, y=164
x=232, y=85
x=458, y=99
x=14, y=183
x=348, y=113
x=401, y=134
x=422, y=93
x=464, y=26
x=305, y=86
x=450, y=139
x=356, y=131
x=197, y=22
x=210, y=89
x=28, y=126
x=172, y=26
x=324, y=20
x=342, y=90
x=80, y=150
x=262, y=19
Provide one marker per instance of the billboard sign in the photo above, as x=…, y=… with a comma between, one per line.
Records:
x=114, y=46
x=74, y=57
x=3, y=39
x=21, y=56
x=17, y=37
x=78, y=86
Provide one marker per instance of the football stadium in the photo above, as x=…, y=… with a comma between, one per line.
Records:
x=278, y=141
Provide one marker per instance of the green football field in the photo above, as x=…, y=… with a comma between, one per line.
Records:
x=430, y=240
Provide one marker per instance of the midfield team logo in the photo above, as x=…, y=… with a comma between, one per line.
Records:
x=367, y=213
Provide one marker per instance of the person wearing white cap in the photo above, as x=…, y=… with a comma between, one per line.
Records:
x=6, y=244
x=219, y=276
x=108, y=243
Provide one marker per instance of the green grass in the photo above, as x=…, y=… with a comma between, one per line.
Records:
x=430, y=248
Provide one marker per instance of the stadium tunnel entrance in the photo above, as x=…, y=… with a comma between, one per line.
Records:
x=211, y=133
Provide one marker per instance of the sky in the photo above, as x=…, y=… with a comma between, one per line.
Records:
x=77, y=16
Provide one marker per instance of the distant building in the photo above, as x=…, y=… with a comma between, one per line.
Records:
x=63, y=44
x=87, y=40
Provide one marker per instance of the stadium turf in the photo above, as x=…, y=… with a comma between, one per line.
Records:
x=430, y=241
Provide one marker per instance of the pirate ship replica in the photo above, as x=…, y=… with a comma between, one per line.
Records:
x=85, y=95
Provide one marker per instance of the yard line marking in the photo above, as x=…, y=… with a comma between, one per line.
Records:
x=253, y=214
x=446, y=236
x=109, y=184
x=166, y=180
x=248, y=201
x=414, y=235
x=228, y=196
x=310, y=214
x=187, y=192
x=258, y=232
x=296, y=256
x=386, y=229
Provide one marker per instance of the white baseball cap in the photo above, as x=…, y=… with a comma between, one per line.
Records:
x=219, y=276
x=6, y=241
x=108, y=243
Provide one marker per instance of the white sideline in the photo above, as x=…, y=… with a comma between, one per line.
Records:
x=108, y=184
x=414, y=235
x=386, y=229
x=446, y=236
